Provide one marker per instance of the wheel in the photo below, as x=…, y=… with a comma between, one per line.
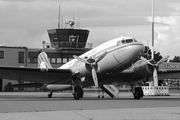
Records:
x=138, y=93
x=49, y=95
x=78, y=93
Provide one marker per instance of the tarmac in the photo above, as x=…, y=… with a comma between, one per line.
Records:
x=36, y=106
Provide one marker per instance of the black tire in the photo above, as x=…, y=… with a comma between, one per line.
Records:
x=49, y=95
x=78, y=93
x=138, y=93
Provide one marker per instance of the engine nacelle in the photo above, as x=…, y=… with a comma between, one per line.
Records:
x=142, y=70
x=57, y=87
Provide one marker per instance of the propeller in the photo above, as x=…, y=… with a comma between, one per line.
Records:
x=92, y=62
x=162, y=60
x=155, y=75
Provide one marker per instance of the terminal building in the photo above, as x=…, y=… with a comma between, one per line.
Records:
x=64, y=43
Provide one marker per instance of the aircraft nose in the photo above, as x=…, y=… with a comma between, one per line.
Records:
x=142, y=49
x=138, y=50
x=130, y=53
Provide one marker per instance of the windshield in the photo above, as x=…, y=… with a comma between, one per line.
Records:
x=126, y=41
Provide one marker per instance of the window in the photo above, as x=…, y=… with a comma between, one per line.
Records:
x=29, y=59
x=71, y=59
x=53, y=60
x=129, y=40
x=21, y=57
x=123, y=41
x=135, y=40
x=35, y=60
x=64, y=60
x=1, y=54
x=59, y=60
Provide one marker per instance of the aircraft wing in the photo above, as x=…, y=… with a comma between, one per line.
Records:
x=127, y=75
x=36, y=75
x=120, y=77
x=167, y=74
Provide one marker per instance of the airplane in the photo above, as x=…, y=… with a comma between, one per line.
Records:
x=101, y=65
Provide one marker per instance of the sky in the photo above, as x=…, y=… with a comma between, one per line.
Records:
x=25, y=22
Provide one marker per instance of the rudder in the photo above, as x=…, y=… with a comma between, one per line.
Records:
x=43, y=61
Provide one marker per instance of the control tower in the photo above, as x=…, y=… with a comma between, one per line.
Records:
x=68, y=38
x=66, y=42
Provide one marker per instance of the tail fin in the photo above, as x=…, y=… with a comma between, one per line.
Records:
x=43, y=61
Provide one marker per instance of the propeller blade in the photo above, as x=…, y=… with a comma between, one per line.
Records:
x=94, y=75
x=162, y=60
x=145, y=60
x=155, y=77
x=101, y=57
x=80, y=59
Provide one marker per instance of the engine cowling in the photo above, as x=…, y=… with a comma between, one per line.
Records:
x=142, y=70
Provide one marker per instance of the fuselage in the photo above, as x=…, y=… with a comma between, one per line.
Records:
x=122, y=52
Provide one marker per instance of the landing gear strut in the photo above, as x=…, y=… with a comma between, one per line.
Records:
x=102, y=94
x=50, y=94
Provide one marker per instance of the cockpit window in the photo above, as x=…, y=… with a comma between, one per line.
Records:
x=129, y=40
x=135, y=40
x=125, y=41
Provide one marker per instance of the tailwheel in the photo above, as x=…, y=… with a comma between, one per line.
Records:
x=50, y=94
x=78, y=93
x=138, y=93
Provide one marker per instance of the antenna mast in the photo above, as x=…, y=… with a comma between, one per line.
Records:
x=59, y=18
x=62, y=22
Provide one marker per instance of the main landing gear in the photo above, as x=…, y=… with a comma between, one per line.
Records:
x=138, y=93
x=77, y=89
x=78, y=93
x=137, y=89
x=50, y=94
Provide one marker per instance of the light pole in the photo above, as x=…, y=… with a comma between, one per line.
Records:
x=152, y=29
x=155, y=70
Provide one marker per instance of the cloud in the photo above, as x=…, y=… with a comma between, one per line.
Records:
x=26, y=21
x=167, y=34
